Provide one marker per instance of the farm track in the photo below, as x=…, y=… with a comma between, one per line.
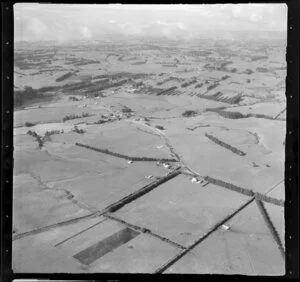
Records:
x=171, y=148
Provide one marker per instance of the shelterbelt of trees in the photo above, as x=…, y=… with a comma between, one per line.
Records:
x=131, y=158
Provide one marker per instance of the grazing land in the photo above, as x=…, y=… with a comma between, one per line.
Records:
x=132, y=156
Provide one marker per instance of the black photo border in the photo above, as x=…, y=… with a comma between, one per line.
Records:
x=291, y=152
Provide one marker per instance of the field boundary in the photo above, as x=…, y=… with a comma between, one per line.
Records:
x=131, y=197
x=244, y=191
x=270, y=226
x=131, y=158
x=143, y=230
x=111, y=208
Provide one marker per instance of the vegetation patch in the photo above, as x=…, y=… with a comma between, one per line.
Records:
x=76, y=116
x=29, y=124
x=159, y=127
x=229, y=186
x=140, y=159
x=126, y=109
x=225, y=145
x=63, y=77
x=270, y=225
x=189, y=113
x=237, y=115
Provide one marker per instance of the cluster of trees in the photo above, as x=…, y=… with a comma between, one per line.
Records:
x=106, y=151
x=237, y=115
x=268, y=199
x=218, y=97
x=229, y=186
x=169, y=90
x=52, y=132
x=210, y=87
x=77, y=130
x=248, y=71
x=223, y=65
x=198, y=85
x=29, y=124
x=256, y=58
x=41, y=140
x=186, y=84
x=76, y=116
x=189, y=113
x=159, y=127
x=259, y=69
x=139, y=63
x=76, y=86
x=64, y=76
x=168, y=79
x=20, y=97
x=225, y=114
x=125, y=109
x=225, y=145
x=71, y=98
x=225, y=77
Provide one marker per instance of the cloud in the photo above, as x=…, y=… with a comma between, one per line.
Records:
x=255, y=17
x=50, y=21
x=37, y=27
x=85, y=32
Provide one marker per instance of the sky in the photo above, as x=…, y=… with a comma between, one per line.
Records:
x=63, y=22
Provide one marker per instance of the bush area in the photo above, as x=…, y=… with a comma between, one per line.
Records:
x=125, y=109
x=27, y=94
x=159, y=127
x=189, y=113
x=218, y=97
x=256, y=58
x=106, y=151
x=225, y=77
x=76, y=116
x=198, y=85
x=259, y=69
x=236, y=115
x=166, y=91
x=186, y=84
x=225, y=114
x=73, y=98
x=64, y=76
x=77, y=130
x=29, y=124
x=225, y=145
x=212, y=86
x=248, y=71
x=42, y=139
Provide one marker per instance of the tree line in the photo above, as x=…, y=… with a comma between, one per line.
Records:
x=130, y=158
